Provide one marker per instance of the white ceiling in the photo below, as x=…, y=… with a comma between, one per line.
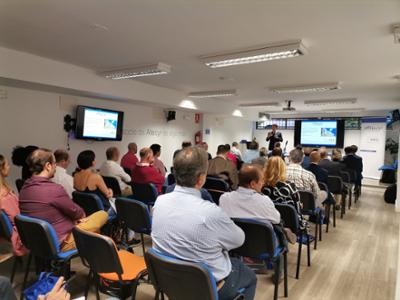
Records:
x=349, y=41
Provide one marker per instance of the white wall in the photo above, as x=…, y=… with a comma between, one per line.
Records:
x=225, y=130
x=36, y=118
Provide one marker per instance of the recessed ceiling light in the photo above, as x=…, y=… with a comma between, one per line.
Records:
x=254, y=55
x=187, y=104
x=237, y=113
x=331, y=101
x=320, y=87
x=257, y=104
x=212, y=94
x=149, y=70
x=345, y=110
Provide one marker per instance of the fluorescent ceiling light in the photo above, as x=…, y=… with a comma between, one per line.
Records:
x=188, y=104
x=320, y=87
x=258, y=54
x=345, y=110
x=149, y=70
x=262, y=116
x=331, y=101
x=257, y=104
x=212, y=94
x=237, y=113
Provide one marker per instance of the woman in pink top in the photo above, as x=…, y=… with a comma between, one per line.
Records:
x=9, y=204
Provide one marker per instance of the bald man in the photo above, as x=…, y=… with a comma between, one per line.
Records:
x=129, y=160
x=320, y=174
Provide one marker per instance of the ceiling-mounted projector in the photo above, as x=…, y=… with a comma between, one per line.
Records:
x=289, y=106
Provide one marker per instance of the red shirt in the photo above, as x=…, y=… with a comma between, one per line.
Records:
x=43, y=199
x=232, y=157
x=129, y=161
x=147, y=174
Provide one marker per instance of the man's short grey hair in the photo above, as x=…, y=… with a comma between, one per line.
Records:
x=189, y=164
x=296, y=156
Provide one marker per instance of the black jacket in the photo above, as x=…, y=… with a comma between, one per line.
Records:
x=277, y=137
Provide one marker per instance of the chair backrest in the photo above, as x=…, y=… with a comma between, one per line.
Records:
x=322, y=186
x=289, y=216
x=112, y=183
x=335, y=184
x=38, y=236
x=308, y=200
x=134, y=214
x=146, y=193
x=170, y=179
x=19, y=183
x=345, y=176
x=128, y=171
x=89, y=202
x=259, y=240
x=6, y=227
x=218, y=184
x=180, y=280
x=98, y=251
x=352, y=173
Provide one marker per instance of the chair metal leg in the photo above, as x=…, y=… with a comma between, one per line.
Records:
x=143, y=247
x=308, y=251
x=162, y=296
x=342, y=206
x=17, y=260
x=350, y=196
x=28, y=264
x=134, y=288
x=88, y=283
x=299, y=256
x=327, y=216
x=334, y=216
x=316, y=230
x=285, y=279
x=320, y=231
x=276, y=277
x=157, y=296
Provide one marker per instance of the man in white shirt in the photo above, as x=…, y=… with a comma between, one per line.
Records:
x=247, y=201
x=192, y=229
x=111, y=168
x=235, y=150
x=61, y=176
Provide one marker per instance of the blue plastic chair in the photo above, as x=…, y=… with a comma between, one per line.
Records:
x=261, y=243
x=205, y=195
x=181, y=280
x=216, y=187
x=146, y=193
x=40, y=238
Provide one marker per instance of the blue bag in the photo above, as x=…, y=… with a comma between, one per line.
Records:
x=44, y=285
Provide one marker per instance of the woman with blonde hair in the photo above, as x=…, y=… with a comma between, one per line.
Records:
x=10, y=205
x=277, y=188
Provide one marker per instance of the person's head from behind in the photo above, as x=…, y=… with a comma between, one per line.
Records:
x=132, y=147
x=276, y=152
x=42, y=162
x=263, y=152
x=275, y=171
x=296, y=156
x=204, y=145
x=156, y=148
x=274, y=127
x=112, y=153
x=4, y=171
x=235, y=144
x=253, y=145
x=86, y=160
x=323, y=153
x=315, y=157
x=146, y=155
x=222, y=150
x=354, y=148
x=348, y=150
x=251, y=177
x=20, y=154
x=62, y=158
x=228, y=147
x=190, y=167
x=277, y=145
x=186, y=144
x=307, y=151
x=336, y=155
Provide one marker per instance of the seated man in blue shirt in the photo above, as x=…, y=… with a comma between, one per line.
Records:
x=187, y=227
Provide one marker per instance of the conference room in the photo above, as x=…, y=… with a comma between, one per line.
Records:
x=199, y=149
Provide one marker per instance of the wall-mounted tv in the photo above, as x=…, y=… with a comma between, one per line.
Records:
x=98, y=123
x=318, y=133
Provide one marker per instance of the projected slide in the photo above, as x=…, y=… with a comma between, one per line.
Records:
x=318, y=133
x=100, y=123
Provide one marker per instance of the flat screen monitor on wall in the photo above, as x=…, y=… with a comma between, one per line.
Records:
x=318, y=133
x=98, y=123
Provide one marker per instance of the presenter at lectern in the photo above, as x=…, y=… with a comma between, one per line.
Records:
x=274, y=137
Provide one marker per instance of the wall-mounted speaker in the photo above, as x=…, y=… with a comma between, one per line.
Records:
x=170, y=115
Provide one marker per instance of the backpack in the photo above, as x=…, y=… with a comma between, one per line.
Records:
x=390, y=194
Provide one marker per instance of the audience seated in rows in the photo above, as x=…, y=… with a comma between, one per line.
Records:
x=43, y=199
x=354, y=162
x=247, y=201
x=18, y=158
x=185, y=144
x=62, y=177
x=111, y=168
x=277, y=151
x=129, y=160
x=157, y=163
x=223, y=168
x=9, y=203
x=303, y=179
x=251, y=152
x=262, y=159
x=192, y=229
x=87, y=180
x=235, y=150
x=145, y=172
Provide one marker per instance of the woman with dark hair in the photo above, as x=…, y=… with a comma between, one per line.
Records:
x=87, y=180
x=10, y=205
x=19, y=156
